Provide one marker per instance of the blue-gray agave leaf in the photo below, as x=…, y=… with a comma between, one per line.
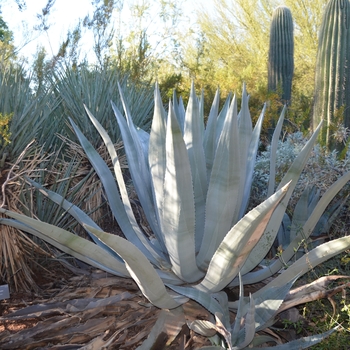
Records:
x=209, y=139
x=178, y=211
x=193, y=137
x=223, y=186
x=112, y=193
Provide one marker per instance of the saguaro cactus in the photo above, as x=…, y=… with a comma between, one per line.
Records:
x=332, y=78
x=281, y=53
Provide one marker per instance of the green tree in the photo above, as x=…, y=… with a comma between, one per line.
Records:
x=231, y=47
x=102, y=26
x=232, y=44
x=307, y=15
x=145, y=44
x=7, y=49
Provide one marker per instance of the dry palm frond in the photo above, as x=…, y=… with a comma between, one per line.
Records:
x=15, y=247
x=86, y=185
x=17, y=252
x=67, y=172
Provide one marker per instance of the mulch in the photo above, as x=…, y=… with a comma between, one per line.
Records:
x=76, y=307
x=85, y=310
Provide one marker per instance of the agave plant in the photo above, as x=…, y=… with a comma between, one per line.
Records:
x=193, y=183
x=303, y=209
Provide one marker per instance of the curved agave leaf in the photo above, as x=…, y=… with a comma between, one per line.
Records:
x=139, y=168
x=74, y=245
x=180, y=112
x=73, y=210
x=203, y=327
x=236, y=326
x=143, y=136
x=221, y=329
x=302, y=343
x=273, y=152
x=261, y=311
x=139, y=268
x=178, y=219
x=201, y=113
x=327, y=219
x=182, y=107
x=324, y=202
x=222, y=299
x=238, y=243
x=225, y=180
x=283, y=234
x=169, y=277
x=267, y=304
x=112, y=193
x=222, y=116
x=300, y=215
x=157, y=154
x=156, y=253
x=204, y=299
x=267, y=239
x=209, y=139
x=193, y=137
x=303, y=234
x=308, y=261
x=249, y=325
x=251, y=158
x=138, y=136
x=245, y=137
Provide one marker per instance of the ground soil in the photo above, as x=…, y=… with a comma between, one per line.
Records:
x=63, y=320
x=75, y=307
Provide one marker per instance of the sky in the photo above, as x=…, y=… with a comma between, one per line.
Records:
x=65, y=14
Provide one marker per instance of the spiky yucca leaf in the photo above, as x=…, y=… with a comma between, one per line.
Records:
x=95, y=87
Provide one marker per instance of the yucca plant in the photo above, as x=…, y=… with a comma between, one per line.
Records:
x=95, y=87
x=31, y=114
x=303, y=209
x=193, y=183
x=22, y=120
x=26, y=115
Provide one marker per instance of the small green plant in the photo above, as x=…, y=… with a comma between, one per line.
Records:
x=4, y=129
x=5, y=135
x=298, y=326
x=346, y=309
x=323, y=316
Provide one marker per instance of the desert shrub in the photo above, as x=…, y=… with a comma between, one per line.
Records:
x=321, y=170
